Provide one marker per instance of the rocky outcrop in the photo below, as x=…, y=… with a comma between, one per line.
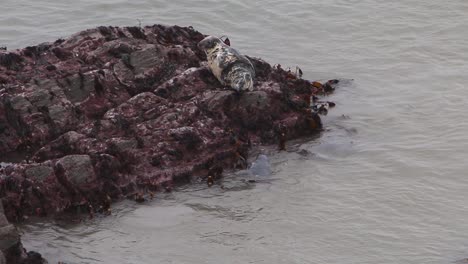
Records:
x=11, y=249
x=9, y=237
x=111, y=112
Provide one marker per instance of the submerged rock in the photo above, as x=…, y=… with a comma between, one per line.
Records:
x=261, y=166
x=111, y=112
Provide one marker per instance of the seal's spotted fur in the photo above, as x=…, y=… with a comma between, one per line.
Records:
x=227, y=64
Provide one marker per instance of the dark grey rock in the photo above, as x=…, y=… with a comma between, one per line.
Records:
x=72, y=137
x=214, y=100
x=20, y=104
x=62, y=115
x=78, y=87
x=3, y=220
x=123, y=144
x=257, y=99
x=9, y=237
x=134, y=107
x=39, y=173
x=2, y=258
x=40, y=98
x=57, y=112
x=182, y=132
x=146, y=59
x=78, y=169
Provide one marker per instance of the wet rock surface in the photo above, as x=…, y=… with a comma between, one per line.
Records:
x=8, y=234
x=113, y=112
x=11, y=249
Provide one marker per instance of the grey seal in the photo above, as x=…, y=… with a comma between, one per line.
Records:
x=227, y=64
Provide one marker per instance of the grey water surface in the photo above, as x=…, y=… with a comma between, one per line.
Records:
x=386, y=182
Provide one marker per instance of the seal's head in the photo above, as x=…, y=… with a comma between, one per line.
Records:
x=209, y=43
